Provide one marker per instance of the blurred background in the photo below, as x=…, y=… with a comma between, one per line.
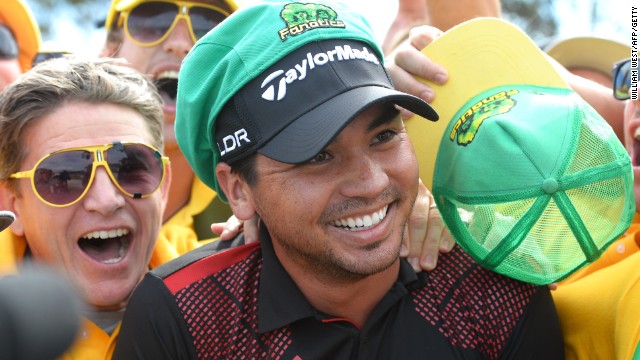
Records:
x=78, y=25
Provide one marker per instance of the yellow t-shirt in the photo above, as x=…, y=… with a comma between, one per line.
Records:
x=203, y=209
x=599, y=306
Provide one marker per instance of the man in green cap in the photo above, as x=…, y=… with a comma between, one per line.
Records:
x=288, y=112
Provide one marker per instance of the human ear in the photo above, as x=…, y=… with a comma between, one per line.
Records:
x=8, y=200
x=237, y=191
x=110, y=49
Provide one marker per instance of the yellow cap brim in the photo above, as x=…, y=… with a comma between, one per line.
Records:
x=17, y=15
x=478, y=55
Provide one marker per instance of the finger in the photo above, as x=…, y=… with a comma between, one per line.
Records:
x=417, y=226
x=404, y=113
x=414, y=261
x=251, y=229
x=217, y=228
x=405, y=82
x=420, y=65
x=433, y=241
x=404, y=245
x=229, y=229
x=553, y=286
x=447, y=242
x=421, y=36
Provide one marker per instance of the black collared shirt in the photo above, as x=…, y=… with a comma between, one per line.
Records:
x=241, y=304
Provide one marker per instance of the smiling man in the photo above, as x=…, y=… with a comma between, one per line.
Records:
x=80, y=166
x=154, y=37
x=287, y=110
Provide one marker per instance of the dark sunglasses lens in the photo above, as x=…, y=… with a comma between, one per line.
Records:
x=149, y=21
x=61, y=178
x=622, y=81
x=8, y=44
x=137, y=168
x=204, y=19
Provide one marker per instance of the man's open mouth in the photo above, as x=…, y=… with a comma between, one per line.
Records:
x=107, y=247
x=167, y=85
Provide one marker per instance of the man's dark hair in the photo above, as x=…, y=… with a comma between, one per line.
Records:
x=246, y=168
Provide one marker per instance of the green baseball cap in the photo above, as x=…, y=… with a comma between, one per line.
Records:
x=281, y=79
x=532, y=181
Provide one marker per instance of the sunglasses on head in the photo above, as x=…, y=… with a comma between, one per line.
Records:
x=148, y=23
x=63, y=177
x=43, y=56
x=622, y=79
x=8, y=44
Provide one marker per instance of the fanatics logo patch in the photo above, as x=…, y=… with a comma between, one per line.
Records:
x=300, y=18
x=467, y=125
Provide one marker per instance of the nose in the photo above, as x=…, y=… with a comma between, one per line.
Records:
x=179, y=41
x=103, y=196
x=366, y=178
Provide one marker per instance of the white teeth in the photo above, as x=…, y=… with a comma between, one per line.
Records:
x=364, y=222
x=104, y=234
x=375, y=218
x=636, y=134
x=168, y=74
x=123, y=250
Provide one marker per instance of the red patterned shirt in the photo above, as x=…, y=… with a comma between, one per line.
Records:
x=241, y=304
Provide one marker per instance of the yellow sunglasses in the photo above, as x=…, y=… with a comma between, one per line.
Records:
x=63, y=177
x=149, y=23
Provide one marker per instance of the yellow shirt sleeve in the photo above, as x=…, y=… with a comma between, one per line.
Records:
x=599, y=310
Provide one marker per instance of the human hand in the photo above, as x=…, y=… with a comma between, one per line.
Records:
x=425, y=234
x=230, y=229
x=407, y=62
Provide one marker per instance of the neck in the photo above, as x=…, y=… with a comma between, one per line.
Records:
x=349, y=299
x=108, y=321
x=181, y=182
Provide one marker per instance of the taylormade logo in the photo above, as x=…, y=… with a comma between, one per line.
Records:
x=299, y=71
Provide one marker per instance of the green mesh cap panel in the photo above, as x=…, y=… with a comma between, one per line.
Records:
x=532, y=182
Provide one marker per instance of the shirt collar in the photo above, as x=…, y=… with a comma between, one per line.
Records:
x=280, y=301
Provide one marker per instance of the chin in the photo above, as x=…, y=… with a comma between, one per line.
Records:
x=109, y=297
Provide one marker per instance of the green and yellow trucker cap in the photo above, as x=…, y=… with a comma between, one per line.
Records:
x=530, y=180
x=281, y=79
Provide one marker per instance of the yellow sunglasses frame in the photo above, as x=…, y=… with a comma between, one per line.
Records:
x=184, y=8
x=98, y=160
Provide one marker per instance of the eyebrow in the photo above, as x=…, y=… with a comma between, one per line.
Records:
x=387, y=115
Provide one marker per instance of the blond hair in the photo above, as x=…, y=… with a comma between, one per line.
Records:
x=54, y=83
